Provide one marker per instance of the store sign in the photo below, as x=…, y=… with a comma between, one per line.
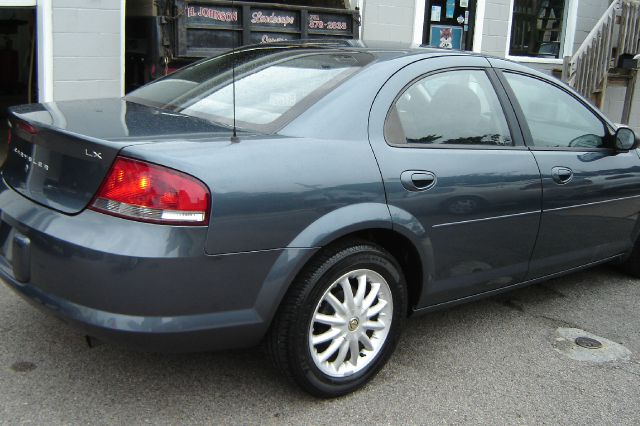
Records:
x=206, y=27
x=274, y=18
x=327, y=22
x=208, y=15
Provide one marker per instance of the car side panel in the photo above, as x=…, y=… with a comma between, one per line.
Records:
x=596, y=214
x=144, y=285
x=122, y=266
x=266, y=192
x=593, y=216
x=467, y=252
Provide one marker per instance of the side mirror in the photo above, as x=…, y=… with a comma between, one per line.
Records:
x=625, y=139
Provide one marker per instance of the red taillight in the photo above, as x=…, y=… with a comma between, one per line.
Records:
x=23, y=125
x=137, y=190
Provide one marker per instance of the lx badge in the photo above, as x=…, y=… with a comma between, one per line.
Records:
x=93, y=154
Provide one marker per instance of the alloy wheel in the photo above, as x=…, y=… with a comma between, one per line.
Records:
x=351, y=323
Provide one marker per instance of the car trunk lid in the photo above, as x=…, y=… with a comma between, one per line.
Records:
x=59, y=154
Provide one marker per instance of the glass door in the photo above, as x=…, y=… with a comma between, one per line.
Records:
x=449, y=24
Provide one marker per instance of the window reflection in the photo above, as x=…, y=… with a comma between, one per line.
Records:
x=555, y=118
x=272, y=85
x=453, y=108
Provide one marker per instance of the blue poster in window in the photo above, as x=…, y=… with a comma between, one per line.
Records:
x=451, y=6
x=446, y=37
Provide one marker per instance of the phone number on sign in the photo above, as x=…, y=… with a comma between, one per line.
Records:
x=316, y=23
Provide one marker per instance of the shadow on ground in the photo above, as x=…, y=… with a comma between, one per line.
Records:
x=489, y=360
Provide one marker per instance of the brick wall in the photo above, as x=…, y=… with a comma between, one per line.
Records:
x=389, y=20
x=496, y=26
x=86, y=49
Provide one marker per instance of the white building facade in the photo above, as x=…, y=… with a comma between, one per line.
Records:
x=569, y=22
x=79, y=46
x=74, y=49
x=503, y=28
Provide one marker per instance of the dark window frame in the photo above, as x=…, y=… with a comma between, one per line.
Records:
x=533, y=19
x=509, y=114
x=524, y=124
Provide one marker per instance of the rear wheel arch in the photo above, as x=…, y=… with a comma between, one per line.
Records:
x=396, y=244
x=405, y=253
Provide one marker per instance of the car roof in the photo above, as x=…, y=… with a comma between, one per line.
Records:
x=381, y=49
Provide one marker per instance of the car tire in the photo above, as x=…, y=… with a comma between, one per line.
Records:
x=318, y=316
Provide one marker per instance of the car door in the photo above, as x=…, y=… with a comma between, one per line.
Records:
x=590, y=191
x=459, y=181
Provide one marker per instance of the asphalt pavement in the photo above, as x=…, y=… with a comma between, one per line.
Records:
x=497, y=361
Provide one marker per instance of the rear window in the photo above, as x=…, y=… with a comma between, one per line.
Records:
x=272, y=85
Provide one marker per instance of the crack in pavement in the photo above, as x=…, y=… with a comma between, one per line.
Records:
x=520, y=307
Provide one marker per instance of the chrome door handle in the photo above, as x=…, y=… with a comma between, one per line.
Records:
x=417, y=180
x=561, y=175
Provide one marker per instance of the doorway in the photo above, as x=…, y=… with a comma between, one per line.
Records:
x=17, y=56
x=18, y=79
x=449, y=24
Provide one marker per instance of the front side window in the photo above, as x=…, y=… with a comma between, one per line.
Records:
x=537, y=28
x=451, y=108
x=555, y=118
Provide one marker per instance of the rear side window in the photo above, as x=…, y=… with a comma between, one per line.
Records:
x=272, y=85
x=555, y=118
x=451, y=108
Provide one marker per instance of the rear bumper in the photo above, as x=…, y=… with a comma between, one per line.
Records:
x=186, y=333
x=146, y=286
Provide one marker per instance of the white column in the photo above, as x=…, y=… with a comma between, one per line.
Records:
x=123, y=8
x=44, y=34
x=418, y=22
x=570, y=29
x=478, y=26
x=509, y=25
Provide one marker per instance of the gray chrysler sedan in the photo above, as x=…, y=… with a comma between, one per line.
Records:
x=365, y=185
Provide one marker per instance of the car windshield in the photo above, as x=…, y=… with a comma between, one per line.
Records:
x=272, y=85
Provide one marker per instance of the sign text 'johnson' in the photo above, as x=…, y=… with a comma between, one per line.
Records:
x=211, y=13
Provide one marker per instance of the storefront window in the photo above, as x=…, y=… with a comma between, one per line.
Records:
x=537, y=28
